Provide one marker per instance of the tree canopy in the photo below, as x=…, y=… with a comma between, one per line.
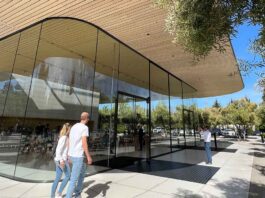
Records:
x=216, y=104
x=261, y=116
x=201, y=26
x=241, y=113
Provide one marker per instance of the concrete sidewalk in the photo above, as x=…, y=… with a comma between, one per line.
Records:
x=180, y=174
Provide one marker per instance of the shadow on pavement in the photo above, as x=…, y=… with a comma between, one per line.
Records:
x=98, y=189
x=257, y=149
x=86, y=184
x=256, y=190
x=239, y=188
x=261, y=169
x=257, y=154
x=232, y=188
x=175, y=170
x=258, y=144
x=187, y=194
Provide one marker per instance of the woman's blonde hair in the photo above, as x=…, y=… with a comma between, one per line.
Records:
x=65, y=129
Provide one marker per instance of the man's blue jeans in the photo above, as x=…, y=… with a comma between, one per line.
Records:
x=59, y=173
x=207, y=146
x=77, y=176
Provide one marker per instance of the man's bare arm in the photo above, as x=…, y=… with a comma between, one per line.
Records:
x=85, y=147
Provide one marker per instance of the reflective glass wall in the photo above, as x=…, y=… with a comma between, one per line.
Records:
x=160, y=117
x=132, y=104
x=58, y=68
x=188, y=115
x=176, y=113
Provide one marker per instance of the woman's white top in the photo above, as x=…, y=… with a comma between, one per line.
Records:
x=61, y=149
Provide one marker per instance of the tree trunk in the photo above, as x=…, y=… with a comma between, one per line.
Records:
x=239, y=132
x=244, y=133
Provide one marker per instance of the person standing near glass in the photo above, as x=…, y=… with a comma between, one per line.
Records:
x=61, y=162
x=207, y=143
x=77, y=147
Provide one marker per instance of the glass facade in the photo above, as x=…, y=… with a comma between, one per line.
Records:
x=58, y=68
x=160, y=126
x=176, y=121
x=188, y=115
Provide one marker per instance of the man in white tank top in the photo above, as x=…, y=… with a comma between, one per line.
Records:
x=77, y=147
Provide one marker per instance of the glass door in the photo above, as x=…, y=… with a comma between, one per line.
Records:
x=190, y=137
x=131, y=126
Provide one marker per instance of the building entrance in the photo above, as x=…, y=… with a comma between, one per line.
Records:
x=189, y=127
x=131, y=126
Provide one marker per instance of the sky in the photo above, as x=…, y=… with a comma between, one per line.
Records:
x=240, y=45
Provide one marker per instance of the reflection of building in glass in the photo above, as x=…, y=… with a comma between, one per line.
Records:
x=56, y=69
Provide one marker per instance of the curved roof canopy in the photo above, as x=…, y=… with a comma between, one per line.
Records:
x=139, y=25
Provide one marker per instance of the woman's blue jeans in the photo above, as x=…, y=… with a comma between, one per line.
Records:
x=59, y=173
x=207, y=146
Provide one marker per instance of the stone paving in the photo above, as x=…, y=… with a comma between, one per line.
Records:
x=239, y=174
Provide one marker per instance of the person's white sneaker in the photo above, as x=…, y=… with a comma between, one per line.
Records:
x=58, y=196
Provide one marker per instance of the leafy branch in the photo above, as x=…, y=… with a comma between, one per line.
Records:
x=202, y=26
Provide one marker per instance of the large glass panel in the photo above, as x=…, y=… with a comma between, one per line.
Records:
x=196, y=123
x=160, y=140
x=132, y=127
x=133, y=73
x=21, y=78
x=61, y=89
x=104, y=95
x=188, y=114
x=188, y=117
x=177, y=132
x=132, y=130
x=9, y=136
x=17, y=97
x=126, y=126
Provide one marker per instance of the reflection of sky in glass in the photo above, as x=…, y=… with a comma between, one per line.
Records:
x=2, y=83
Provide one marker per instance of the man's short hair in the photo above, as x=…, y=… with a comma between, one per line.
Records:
x=205, y=127
x=84, y=116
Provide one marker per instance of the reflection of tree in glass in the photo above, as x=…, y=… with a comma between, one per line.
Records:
x=176, y=118
x=160, y=115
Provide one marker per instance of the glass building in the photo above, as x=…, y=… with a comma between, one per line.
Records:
x=59, y=67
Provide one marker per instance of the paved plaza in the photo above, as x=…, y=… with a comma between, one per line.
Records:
x=237, y=171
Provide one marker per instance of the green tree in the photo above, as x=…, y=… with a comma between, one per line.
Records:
x=201, y=26
x=216, y=104
x=105, y=114
x=263, y=96
x=241, y=113
x=210, y=117
x=203, y=117
x=141, y=116
x=261, y=117
x=177, y=118
x=160, y=115
x=215, y=117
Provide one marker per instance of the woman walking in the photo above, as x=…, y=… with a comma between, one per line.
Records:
x=62, y=165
